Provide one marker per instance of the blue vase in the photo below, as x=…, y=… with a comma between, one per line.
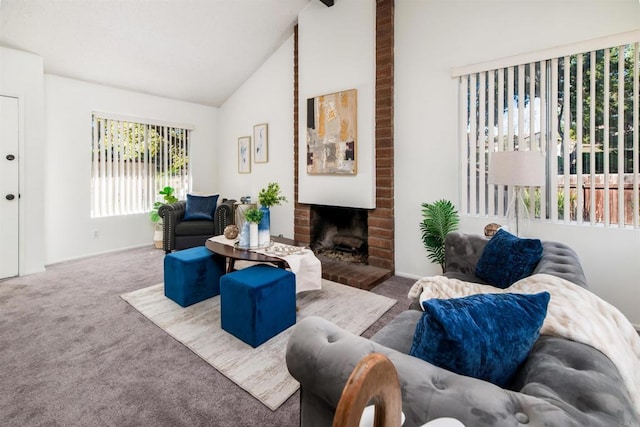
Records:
x=264, y=233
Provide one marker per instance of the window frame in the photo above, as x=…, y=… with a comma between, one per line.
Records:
x=132, y=159
x=508, y=77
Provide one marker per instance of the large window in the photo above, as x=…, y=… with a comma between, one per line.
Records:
x=581, y=110
x=131, y=161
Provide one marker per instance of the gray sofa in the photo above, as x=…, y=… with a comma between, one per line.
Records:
x=562, y=383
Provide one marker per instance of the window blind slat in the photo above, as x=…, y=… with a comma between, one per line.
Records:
x=95, y=168
x=501, y=136
x=579, y=116
x=473, y=207
x=592, y=137
x=464, y=143
x=165, y=157
x=552, y=148
x=543, y=134
x=510, y=106
x=636, y=132
x=103, y=172
x=531, y=132
x=120, y=178
x=482, y=145
x=521, y=98
x=566, y=141
x=109, y=166
x=606, y=94
x=620, y=139
x=491, y=120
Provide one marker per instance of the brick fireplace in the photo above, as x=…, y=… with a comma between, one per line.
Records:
x=380, y=221
x=340, y=233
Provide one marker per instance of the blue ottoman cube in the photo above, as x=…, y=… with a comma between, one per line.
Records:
x=257, y=303
x=192, y=275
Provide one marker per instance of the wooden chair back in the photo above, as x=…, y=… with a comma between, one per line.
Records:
x=373, y=379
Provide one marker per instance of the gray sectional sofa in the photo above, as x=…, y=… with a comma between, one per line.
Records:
x=561, y=383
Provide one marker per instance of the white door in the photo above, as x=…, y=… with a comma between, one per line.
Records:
x=9, y=196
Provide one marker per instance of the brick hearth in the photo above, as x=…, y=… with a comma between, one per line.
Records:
x=380, y=220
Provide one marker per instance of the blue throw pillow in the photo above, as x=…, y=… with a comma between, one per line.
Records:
x=507, y=258
x=485, y=336
x=200, y=207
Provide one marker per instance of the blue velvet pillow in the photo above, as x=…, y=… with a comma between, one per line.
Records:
x=200, y=207
x=485, y=336
x=507, y=258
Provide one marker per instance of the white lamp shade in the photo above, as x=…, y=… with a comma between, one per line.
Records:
x=524, y=168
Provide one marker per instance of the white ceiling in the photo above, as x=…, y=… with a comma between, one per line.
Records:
x=193, y=50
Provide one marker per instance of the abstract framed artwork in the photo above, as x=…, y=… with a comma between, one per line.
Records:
x=244, y=154
x=261, y=143
x=331, y=134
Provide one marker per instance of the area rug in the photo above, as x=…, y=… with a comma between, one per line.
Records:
x=261, y=371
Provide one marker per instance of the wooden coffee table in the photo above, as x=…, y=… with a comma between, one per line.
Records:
x=232, y=254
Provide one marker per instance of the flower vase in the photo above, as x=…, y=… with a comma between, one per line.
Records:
x=243, y=242
x=253, y=235
x=264, y=232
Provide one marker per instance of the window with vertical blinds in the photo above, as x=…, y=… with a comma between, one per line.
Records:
x=131, y=161
x=581, y=110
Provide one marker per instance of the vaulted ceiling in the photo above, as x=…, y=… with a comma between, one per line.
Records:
x=194, y=50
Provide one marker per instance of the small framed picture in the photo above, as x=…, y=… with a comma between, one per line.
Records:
x=261, y=143
x=244, y=154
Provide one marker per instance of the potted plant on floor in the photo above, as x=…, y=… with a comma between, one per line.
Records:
x=168, y=198
x=440, y=218
x=268, y=197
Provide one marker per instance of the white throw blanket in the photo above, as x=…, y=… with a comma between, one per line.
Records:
x=304, y=264
x=573, y=313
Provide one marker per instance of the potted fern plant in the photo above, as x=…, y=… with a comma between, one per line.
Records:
x=440, y=218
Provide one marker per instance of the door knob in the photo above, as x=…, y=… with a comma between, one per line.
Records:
x=10, y=157
x=10, y=197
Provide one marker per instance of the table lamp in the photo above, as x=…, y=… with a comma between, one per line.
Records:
x=518, y=169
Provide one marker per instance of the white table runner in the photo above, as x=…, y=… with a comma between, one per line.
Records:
x=304, y=264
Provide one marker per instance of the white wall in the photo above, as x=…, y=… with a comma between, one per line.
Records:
x=266, y=97
x=69, y=230
x=336, y=51
x=21, y=76
x=432, y=36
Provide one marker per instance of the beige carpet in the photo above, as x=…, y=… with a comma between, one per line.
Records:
x=261, y=371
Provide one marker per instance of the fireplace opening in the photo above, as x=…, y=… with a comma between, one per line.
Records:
x=340, y=233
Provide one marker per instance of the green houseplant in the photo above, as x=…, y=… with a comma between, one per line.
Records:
x=440, y=218
x=253, y=217
x=267, y=197
x=167, y=197
x=270, y=195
